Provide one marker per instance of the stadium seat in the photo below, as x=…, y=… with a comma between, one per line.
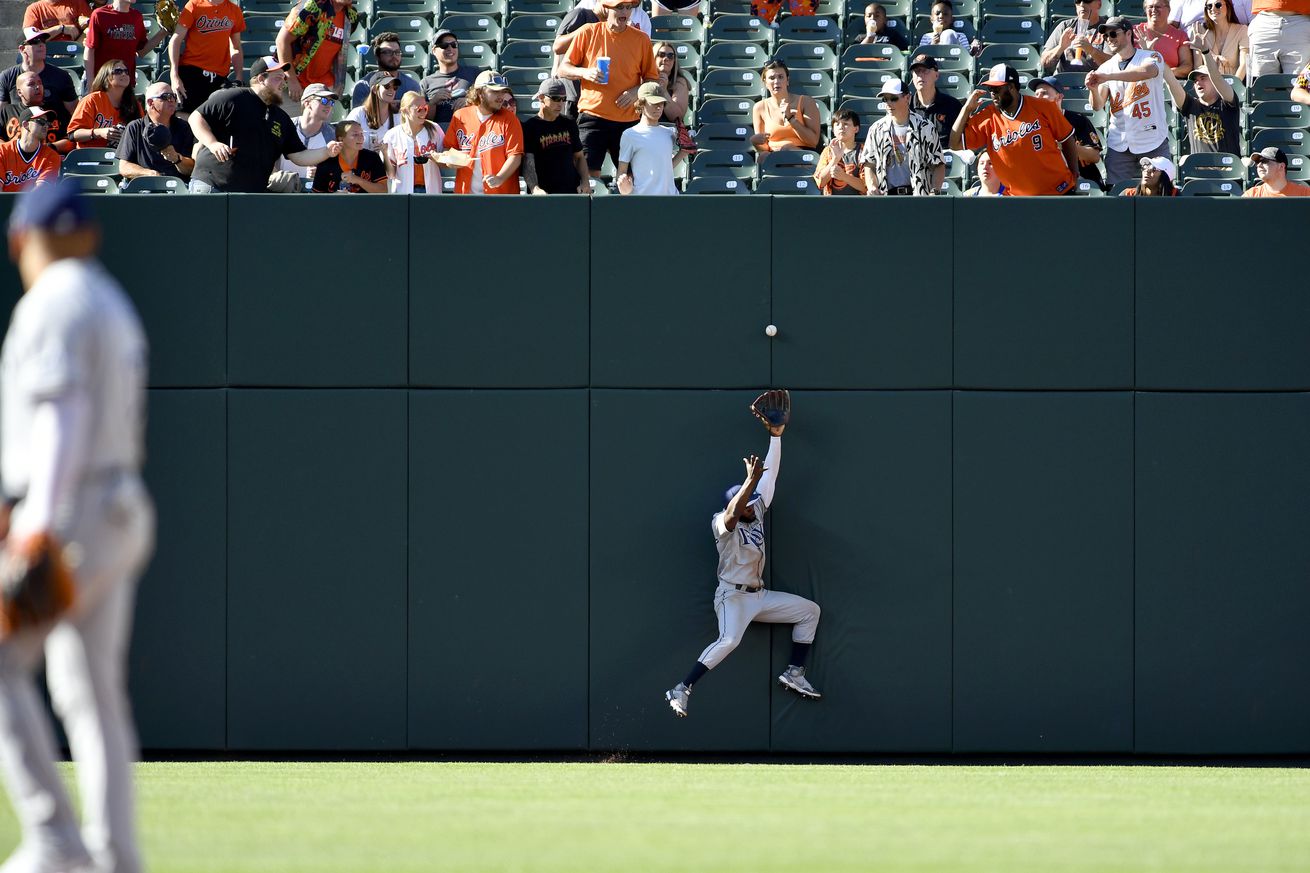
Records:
x=788, y=185
x=739, y=165
x=864, y=83
x=716, y=185
x=1088, y=188
x=1024, y=58
x=598, y=188
x=533, y=28
x=677, y=28
x=893, y=8
x=948, y=57
x=729, y=110
x=732, y=83
x=830, y=8
x=869, y=109
x=807, y=56
x=540, y=7
x=1287, y=140
x=1014, y=9
x=1279, y=114
x=478, y=28
x=854, y=29
x=407, y=8
x=955, y=83
x=497, y=9
x=1211, y=166
x=873, y=57
x=1211, y=188
x=154, y=185
x=812, y=83
x=719, y=136
x=689, y=58
x=735, y=56
x=95, y=184
x=1271, y=86
x=967, y=9
x=536, y=55
x=523, y=82
x=740, y=28
x=922, y=25
x=810, y=28
x=261, y=9
x=480, y=54
x=410, y=28
x=792, y=163
x=1027, y=31
x=64, y=55
x=729, y=7
x=90, y=162
x=948, y=188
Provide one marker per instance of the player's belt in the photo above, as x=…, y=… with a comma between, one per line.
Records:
x=748, y=588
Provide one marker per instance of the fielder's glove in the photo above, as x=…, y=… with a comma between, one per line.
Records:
x=166, y=12
x=36, y=586
x=773, y=408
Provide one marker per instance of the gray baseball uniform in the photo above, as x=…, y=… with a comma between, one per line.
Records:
x=72, y=398
x=741, y=596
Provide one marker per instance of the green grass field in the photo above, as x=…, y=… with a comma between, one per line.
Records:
x=571, y=817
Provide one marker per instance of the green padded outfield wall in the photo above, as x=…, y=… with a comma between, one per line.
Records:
x=437, y=473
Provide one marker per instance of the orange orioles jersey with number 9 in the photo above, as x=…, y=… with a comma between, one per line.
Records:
x=1025, y=147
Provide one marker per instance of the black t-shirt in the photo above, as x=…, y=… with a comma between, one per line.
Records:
x=941, y=112
x=552, y=145
x=260, y=133
x=1085, y=133
x=1213, y=128
x=134, y=147
x=368, y=165
x=458, y=83
x=891, y=36
x=58, y=91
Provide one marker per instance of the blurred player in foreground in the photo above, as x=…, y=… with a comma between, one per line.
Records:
x=741, y=596
x=72, y=401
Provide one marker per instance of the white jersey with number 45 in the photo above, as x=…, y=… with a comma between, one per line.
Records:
x=1139, y=119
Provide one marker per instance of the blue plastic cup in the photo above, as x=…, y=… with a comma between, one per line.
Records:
x=603, y=65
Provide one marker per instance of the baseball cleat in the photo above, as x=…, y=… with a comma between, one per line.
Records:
x=794, y=678
x=678, y=697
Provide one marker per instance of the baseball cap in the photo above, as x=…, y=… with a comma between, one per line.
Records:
x=1001, y=74
x=1164, y=165
x=317, y=90
x=381, y=78
x=436, y=37
x=1049, y=80
x=894, y=87
x=732, y=492
x=491, y=79
x=267, y=65
x=1272, y=153
x=58, y=207
x=32, y=36
x=159, y=136
x=33, y=112
x=552, y=87
x=924, y=60
x=1115, y=22
x=652, y=92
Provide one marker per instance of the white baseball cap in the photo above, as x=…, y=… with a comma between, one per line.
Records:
x=892, y=87
x=1164, y=165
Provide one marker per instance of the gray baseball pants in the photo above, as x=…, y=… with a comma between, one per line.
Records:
x=737, y=609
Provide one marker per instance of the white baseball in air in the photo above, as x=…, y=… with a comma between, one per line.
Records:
x=771, y=330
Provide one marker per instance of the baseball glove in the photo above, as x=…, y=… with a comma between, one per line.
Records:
x=773, y=408
x=36, y=585
x=166, y=12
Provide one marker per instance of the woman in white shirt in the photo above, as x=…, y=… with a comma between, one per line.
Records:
x=412, y=147
x=375, y=116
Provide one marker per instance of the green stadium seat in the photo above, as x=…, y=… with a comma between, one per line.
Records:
x=739, y=165
x=949, y=188
x=716, y=185
x=869, y=109
x=792, y=163
x=1211, y=188
x=740, y=28
x=497, y=9
x=1024, y=58
x=1014, y=9
x=689, y=58
x=1279, y=114
x=948, y=57
x=407, y=8
x=963, y=8
x=810, y=28
x=729, y=7
x=261, y=8
x=1211, y=166
x=480, y=54
x=478, y=28
x=812, y=83
x=410, y=28
x=95, y=184
x=854, y=29
x=719, y=136
x=1012, y=30
x=807, y=56
x=893, y=8
x=725, y=110
x=865, y=84
x=90, y=162
x=1088, y=188
x=536, y=55
x=923, y=24
x=1271, y=86
x=735, y=56
x=523, y=83
x=154, y=185
x=830, y=8
x=788, y=186
x=884, y=58
x=64, y=55
x=732, y=83
x=533, y=28
x=540, y=7
x=955, y=83
x=677, y=28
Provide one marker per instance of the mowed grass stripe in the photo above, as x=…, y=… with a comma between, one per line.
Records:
x=233, y=817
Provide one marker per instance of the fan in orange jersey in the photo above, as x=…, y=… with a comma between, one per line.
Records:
x=1030, y=142
x=26, y=160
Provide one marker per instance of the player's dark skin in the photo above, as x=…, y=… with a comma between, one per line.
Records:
x=739, y=506
x=1006, y=98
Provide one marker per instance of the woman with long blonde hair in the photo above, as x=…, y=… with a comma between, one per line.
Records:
x=413, y=147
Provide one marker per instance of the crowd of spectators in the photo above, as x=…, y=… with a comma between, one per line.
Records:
x=617, y=108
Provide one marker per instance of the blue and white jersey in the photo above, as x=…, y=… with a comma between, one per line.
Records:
x=741, y=550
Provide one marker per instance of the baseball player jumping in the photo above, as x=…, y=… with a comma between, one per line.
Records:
x=741, y=596
x=72, y=402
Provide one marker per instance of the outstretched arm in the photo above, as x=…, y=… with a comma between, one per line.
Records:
x=770, y=478
x=737, y=505
x=773, y=409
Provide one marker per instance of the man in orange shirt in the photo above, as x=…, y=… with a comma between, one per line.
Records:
x=1271, y=167
x=311, y=41
x=58, y=19
x=611, y=61
x=1279, y=35
x=26, y=160
x=491, y=135
x=1030, y=142
x=206, y=46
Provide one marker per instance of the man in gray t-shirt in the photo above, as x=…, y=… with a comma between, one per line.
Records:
x=741, y=596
